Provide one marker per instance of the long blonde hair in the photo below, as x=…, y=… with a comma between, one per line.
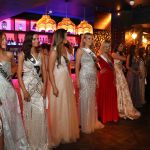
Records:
x=58, y=42
x=103, y=43
x=82, y=43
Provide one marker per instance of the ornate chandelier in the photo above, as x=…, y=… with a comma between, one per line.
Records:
x=84, y=27
x=68, y=25
x=46, y=23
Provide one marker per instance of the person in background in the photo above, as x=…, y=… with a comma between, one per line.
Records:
x=133, y=75
x=147, y=59
x=125, y=105
x=64, y=127
x=142, y=77
x=31, y=63
x=12, y=133
x=86, y=77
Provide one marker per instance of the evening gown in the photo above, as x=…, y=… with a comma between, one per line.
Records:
x=106, y=93
x=87, y=98
x=14, y=134
x=142, y=80
x=64, y=123
x=147, y=90
x=125, y=105
x=34, y=111
x=133, y=82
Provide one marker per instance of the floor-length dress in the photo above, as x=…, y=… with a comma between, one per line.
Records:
x=147, y=90
x=106, y=93
x=142, y=80
x=14, y=134
x=64, y=127
x=133, y=82
x=88, y=106
x=34, y=111
x=125, y=105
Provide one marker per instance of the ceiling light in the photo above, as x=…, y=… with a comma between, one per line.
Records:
x=131, y=2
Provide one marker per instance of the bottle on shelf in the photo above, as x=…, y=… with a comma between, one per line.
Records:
x=40, y=40
x=43, y=41
x=21, y=42
x=8, y=41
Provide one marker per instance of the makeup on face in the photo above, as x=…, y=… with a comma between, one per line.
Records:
x=35, y=40
x=4, y=41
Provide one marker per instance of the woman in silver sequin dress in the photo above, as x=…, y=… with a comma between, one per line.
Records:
x=86, y=75
x=11, y=125
x=31, y=63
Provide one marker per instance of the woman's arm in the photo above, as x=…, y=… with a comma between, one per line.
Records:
x=13, y=63
x=52, y=60
x=19, y=74
x=116, y=56
x=77, y=66
x=44, y=75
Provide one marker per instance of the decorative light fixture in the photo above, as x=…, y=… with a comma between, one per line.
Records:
x=67, y=24
x=144, y=40
x=134, y=35
x=46, y=23
x=84, y=27
x=131, y=2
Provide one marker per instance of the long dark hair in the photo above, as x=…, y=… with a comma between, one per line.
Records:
x=27, y=44
x=131, y=53
x=58, y=39
x=117, y=47
x=1, y=34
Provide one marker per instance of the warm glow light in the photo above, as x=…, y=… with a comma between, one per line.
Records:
x=46, y=24
x=134, y=35
x=118, y=13
x=144, y=40
x=104, y=23
x=131, y=2
x=68, y=25
x=84, y=27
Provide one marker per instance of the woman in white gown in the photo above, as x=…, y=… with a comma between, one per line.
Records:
x=125, y=105
x=11, y=125
x=86, y=75
x=31, y=64
x=63, y=107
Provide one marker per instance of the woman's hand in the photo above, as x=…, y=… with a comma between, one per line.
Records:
x=43, y=92
x=26, y=96
x=55, y=91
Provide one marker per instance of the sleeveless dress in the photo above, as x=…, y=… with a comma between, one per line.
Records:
x=125, y=105
x=34, y=111
x=107, y=93
x=142, y=80
x=87, y=98
x=14, y=134
x=133, y=82
x=64, y=126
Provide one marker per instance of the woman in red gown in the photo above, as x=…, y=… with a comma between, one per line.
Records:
x=106, y=93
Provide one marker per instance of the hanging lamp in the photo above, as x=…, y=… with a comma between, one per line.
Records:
x=46, y=23
x=67, y=24
x=84, y=27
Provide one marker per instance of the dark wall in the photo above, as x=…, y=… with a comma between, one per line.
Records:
x=139, y=15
